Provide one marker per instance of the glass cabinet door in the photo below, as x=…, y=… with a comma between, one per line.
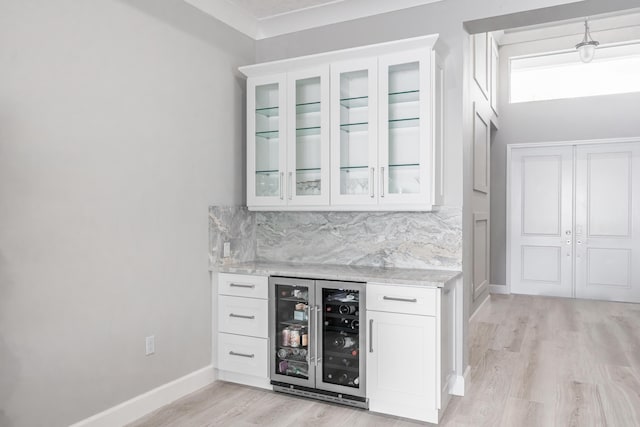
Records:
x=266, y=141
x=405, y=128
x=354, y=128
x=342, y=338
x=308, y=150
x=292, y=348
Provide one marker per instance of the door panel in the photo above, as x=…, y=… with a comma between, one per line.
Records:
x=541, y=212
x=607, y=252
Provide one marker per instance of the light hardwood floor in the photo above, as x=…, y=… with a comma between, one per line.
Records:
x=535, y=361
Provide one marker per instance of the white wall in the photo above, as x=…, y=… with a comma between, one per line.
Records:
x=120, y=123
x=599, y=117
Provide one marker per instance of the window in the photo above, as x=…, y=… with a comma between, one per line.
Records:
x=615, y=69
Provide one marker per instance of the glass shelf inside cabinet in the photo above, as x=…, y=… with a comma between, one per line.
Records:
x=308, y=107
x=355, y=127
x=404, y=96
x=314, y=130
x=355, y=102
x=404, y=123
x=268, y=111
x=406, y=165
x=268, y=134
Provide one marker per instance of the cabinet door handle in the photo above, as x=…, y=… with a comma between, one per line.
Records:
x=399, y=299
x=241, y=316
x=290, y=191
x=281, y=184
x=250, y=356
x=382, y=182
x=241, y=285
x=372, y=180
x=370, y=335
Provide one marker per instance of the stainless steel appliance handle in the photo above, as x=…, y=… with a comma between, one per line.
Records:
x=250, y=356
x=399, y=299
x=290, y=185
x=316, y=333
x=382, y=182
x=240, y=316
x=372, y=180
x=281, y=184
x=241, y=285
x=370, y=335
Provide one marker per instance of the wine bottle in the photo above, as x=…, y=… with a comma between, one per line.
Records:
x=347, y=309
x=343, y=379
x=343, y=342
x=356, y=381
x=346, y=362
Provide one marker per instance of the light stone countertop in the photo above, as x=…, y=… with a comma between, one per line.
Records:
x=398, y=276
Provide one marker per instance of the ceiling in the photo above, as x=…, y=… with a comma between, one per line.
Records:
x=261, y=19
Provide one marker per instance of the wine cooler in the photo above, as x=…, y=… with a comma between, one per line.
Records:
x=317, y=333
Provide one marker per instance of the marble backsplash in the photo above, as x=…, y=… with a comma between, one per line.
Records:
x=236, y=225
x=380, y=239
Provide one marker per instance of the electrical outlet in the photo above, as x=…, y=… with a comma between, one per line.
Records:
x=226, y=250
x=150, y=345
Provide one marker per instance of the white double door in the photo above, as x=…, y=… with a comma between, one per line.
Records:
x=575, y=221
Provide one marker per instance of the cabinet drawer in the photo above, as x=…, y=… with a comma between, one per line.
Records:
x=244, y=355
x=243, y=316
x=243, y=285
x=402, y=299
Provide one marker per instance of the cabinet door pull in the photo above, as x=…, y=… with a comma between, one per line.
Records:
x=241, y=316
x=315, y=350
x=250, y=356
x=372, y=180
x=290, y=191
x=399, y=299
x=382, y=182
x=370, y=335
x=281, y=184
x=241, y=285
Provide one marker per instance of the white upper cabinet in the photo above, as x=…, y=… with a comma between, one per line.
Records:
x=358, y=129
x=266, y=148
x=354, y=124
x=308, y=138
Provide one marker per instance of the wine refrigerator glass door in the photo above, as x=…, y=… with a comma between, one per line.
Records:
x=341, y=337
x=292, y=321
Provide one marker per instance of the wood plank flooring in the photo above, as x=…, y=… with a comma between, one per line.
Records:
x=535, y=361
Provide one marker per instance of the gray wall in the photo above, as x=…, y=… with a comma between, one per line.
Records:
x=600, y=117
x=120, y=123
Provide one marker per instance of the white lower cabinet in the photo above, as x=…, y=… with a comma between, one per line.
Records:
x=242, y=334
x=408, y=358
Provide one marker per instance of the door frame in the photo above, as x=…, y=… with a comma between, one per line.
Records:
x=510, y=147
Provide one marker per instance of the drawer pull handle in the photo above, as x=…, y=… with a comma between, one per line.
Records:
x=250, y=356
x=241, y=285
x=399, y=299
x=241, y=316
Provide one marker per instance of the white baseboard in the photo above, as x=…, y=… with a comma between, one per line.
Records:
x=484, y=301
x=499, y=289
x=459, y=385
x=141, y=405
